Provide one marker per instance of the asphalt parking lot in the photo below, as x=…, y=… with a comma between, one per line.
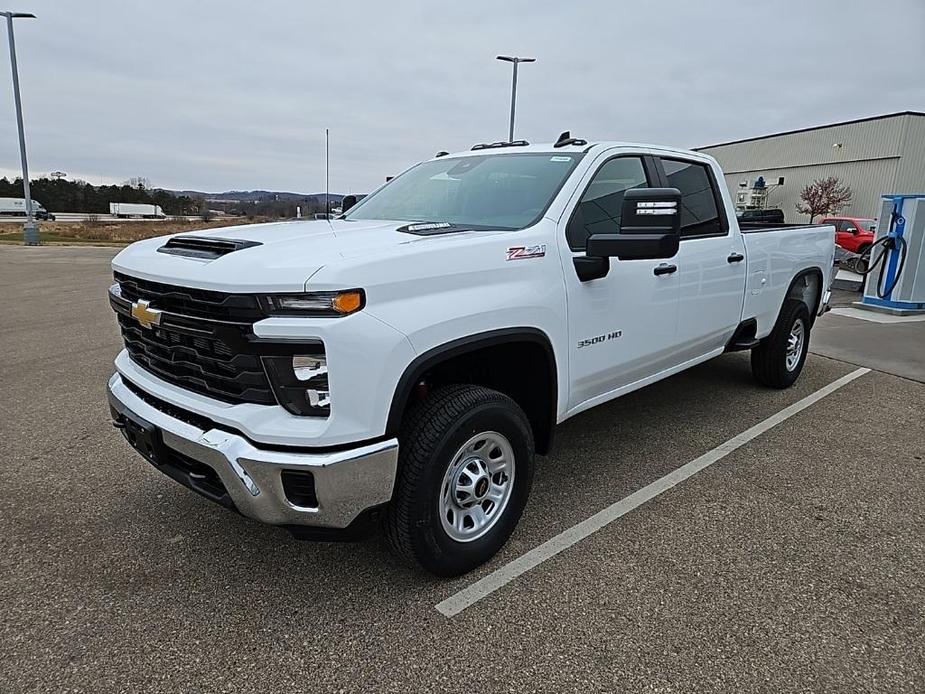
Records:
x=794, y=563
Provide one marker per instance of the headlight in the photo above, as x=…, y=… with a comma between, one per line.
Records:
x=301, y=383
x=329, y=304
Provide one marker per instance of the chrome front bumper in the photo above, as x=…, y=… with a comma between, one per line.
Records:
x=346, y=482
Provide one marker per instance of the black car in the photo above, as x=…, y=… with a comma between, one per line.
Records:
x=770, y=216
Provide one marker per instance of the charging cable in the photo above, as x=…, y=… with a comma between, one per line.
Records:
x=865, y=265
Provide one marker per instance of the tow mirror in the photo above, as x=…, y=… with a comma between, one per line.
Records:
x=347, y=202
x=650, y=227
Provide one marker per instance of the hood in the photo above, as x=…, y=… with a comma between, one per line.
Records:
x=280, y=256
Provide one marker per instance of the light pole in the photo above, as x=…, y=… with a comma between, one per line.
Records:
x=30, y=232
x=516, y=61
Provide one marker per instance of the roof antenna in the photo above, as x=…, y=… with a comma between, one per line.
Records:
x=566, y=139
x=327, y=179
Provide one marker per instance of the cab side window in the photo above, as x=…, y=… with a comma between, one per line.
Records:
x=699, y=207
x=600, y=207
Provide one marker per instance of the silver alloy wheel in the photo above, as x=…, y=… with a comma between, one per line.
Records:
x=477, y=486
x=795, y=344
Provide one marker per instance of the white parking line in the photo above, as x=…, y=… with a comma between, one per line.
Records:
x=485, y=586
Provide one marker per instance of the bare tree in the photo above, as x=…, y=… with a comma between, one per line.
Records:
x=139, y=182
x=823, y=196
x=204, y=212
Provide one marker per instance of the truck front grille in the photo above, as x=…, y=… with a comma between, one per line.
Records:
x=203, y=364
x=185, y=301
x=203, y=341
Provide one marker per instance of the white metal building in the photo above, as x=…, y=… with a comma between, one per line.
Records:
x=874, y=156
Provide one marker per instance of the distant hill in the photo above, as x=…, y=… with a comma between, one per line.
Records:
x=254, y=196
x=61, y=195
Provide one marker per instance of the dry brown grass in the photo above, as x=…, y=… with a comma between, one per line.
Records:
x=125, y=232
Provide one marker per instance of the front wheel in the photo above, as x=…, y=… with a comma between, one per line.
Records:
x=778, y=360
x=464, y=474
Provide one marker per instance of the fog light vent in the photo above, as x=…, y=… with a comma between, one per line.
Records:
x=299, y=487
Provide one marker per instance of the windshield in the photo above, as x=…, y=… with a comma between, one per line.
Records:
x=494, y=191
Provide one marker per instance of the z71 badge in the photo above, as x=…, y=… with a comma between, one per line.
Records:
x=524, y=252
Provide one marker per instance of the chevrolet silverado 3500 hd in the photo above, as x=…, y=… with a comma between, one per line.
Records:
x=401, y=364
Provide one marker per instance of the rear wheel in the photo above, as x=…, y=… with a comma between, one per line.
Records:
x=778, y=360
x=465, y=471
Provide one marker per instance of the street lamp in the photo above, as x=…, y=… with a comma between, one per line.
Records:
x=30, y=232
x=516, y=61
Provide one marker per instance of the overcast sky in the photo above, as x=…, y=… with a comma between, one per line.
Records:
x=236, y=95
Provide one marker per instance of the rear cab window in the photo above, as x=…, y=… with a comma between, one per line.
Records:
x=701, y=202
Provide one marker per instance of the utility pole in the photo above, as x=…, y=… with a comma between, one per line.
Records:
x=30, y=232
x=327, y=172
x=516, y=61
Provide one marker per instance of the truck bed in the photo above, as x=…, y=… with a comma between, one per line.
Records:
x=776, y=254
x=751, y=227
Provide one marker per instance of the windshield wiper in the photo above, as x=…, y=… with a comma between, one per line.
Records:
x=434, y=228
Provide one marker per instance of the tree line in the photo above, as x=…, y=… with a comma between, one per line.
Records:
x=59, y=195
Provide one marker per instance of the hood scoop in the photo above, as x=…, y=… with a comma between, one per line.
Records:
x=203, y=247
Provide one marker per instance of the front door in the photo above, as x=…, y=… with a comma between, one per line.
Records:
x=622, y=325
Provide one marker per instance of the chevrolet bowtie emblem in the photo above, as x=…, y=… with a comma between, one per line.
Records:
x=144, y=315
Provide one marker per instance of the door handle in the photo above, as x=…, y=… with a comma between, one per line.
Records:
x=735, y=258
x=665, y=269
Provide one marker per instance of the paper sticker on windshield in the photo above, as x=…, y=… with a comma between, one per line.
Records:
x=525, y=252
x=560, y=159
x=427, y=226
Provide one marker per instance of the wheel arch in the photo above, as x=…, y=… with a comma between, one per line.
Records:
x=536, y=393
x=806, y=286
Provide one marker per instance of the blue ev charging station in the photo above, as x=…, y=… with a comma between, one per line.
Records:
x=896, y=260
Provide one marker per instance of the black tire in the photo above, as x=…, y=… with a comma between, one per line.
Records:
x=769, y=359
x=432, y=432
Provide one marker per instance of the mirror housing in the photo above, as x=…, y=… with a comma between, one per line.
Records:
x=347, y=202
x=650, y=227
x=633, y=246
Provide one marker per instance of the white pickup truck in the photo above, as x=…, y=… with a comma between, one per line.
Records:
x=399, y=366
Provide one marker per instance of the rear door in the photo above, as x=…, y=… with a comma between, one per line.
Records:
x=621, y=325
x=711, y=259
